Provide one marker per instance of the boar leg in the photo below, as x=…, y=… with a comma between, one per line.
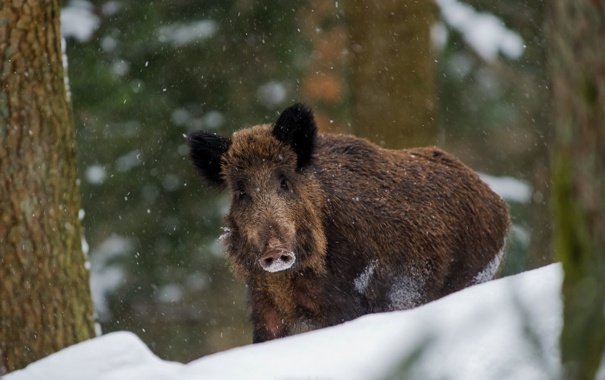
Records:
x=267, y=321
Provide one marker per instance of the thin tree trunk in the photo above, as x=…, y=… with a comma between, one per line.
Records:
x=393, y=72
x=577, y=32
x=44, y=290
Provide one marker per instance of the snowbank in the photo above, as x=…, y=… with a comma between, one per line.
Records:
x=503, y=329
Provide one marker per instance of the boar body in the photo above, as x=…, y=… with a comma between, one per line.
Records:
x=324, y=228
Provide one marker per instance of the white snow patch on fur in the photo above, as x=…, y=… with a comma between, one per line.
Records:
x=226, y=233
x=362, y=281
x=490, y=270
x=405, y=293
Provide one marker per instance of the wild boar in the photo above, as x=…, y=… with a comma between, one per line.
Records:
x=324, y=228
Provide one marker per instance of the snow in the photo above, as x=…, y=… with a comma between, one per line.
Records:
x=105, y=276
x=108, y=44
x=508, y=188
x=129, y=160
x=170, y=293
x=95, y=174
x=405, y=293
x=110, y=357
x=171, y=182
x=502, y=329
x=490, y=270
x=213, y=119
x=272, y=94
x=78, y=20
x=210, y=120
x=439, y=35
x=65, y=63
x=362, y=281
x=110, y=8
x=226, y=233
x=183, y=34
x=483, y=32
x=120, y=67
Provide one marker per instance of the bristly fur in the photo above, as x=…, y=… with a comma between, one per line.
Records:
x=206, y=150
x=372, y=229
x=296, y=127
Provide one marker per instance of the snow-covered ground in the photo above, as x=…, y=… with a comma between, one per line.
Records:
x=503, y=329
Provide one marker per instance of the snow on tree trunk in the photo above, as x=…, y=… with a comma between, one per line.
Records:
x=577, y=65
x=44, y=291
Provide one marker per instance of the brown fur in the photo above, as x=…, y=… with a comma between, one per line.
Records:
x=418, y=222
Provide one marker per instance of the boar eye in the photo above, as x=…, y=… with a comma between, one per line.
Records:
x=240, y=190
x=284, y=184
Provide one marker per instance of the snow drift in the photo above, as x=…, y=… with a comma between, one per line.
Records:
x=503, y=329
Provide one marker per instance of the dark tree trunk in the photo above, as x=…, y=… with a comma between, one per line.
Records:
x=577, y=63
x=392, y=73
x=45, y=300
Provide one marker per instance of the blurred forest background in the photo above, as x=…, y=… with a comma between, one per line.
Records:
x=468, y=76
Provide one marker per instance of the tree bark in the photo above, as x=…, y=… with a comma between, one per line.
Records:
x=45, y=300
x=392, y=74
x=577, y=66
x=324, y=81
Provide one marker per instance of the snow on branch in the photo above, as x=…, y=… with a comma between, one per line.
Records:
x=483, y=32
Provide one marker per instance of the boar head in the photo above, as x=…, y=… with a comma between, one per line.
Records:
x=275, y=220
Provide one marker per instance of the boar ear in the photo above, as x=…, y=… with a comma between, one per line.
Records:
x=205, y=150
x=296, y=127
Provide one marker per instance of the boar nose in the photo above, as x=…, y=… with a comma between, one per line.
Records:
x=276, y=261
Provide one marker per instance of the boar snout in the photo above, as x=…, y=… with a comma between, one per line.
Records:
x=276, y=261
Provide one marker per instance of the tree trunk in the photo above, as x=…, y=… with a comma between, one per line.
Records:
x=44, y=290
x=323, y=83
x=577, y=32
x=392, y=83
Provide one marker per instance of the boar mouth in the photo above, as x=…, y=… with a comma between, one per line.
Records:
x=277, y=260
